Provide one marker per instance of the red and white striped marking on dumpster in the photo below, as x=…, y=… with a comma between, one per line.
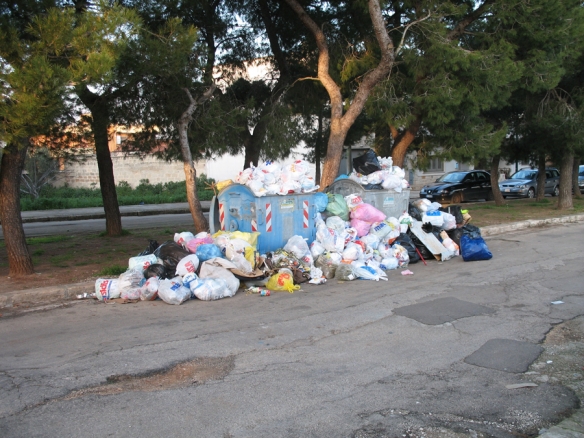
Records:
x=254, y=225
x=268, y=217
x=305, y=220
x=222, y=216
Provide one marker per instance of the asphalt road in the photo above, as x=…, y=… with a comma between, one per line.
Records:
x=424, y=355
x=172, y=221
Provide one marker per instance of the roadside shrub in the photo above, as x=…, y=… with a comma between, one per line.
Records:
x=67, y=197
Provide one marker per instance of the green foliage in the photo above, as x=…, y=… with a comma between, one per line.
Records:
x=51, y=197
x=112, y=271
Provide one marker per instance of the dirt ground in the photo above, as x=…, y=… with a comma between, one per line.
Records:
x=71, y=259
x=68, y=259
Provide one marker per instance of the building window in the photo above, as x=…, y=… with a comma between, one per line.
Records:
x=435, y=165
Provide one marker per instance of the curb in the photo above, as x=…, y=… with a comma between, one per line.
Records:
x=492, y=230
x=44, y=295
x=69, y=292
x=76, y=217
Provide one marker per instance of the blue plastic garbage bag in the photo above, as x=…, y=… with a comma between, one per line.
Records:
x=474, y=249
x=320, y=201
x=208, y=251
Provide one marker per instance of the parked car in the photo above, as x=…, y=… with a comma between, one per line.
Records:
x=459, y=186
x=581, y=178
x=523, y=183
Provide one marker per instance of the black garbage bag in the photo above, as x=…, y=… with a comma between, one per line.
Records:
x=414, y=212
x=170, y=253
x=454, y=210
x=406, y=241
x=424, y=251
x=472, y=230
x=366, y=163
x=157, y=270
x=432, y=229
x=455, y=234
x=373, y=187
x=150, y=249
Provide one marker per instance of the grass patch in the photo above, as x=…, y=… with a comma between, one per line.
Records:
x=47, y=239
x=124, y=233
x=59, y=260
x=113, y=271
x=38, y=252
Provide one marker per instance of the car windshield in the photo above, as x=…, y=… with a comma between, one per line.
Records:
x=525, y=174
x=452, y=177
x=581, y=171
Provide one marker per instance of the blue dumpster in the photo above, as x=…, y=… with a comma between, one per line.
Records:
x=276, y=218
x=390, y=202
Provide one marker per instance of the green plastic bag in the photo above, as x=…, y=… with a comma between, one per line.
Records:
x=337, y=206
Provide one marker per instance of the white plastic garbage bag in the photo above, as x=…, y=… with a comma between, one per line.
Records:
x=130, y=281
x=336, y=223
x=183, y=238
x=209, y=289
x=297, y=246
x=218, y=268
x=173, y=291
x=106, y=289
x=149, y=290
x=187, y=265
x=142, y=262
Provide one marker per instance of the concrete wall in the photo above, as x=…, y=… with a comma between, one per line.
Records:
x=128, y=168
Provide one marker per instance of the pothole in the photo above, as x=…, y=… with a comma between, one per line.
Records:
x=190, y=373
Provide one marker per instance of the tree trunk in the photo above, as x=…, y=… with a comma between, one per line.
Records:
x=334, y=153
x=565, y=201
x=19, y=260
x=100, y=122
x=400, y=149
x=199, y=219
x=318, y=148
x=497, y=195
x=575, y=171
x=340, y=124
x=540, y=178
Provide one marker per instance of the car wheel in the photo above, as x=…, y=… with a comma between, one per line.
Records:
x=531, y=193
x=556, y=191
x=504, y=196
x=457, y=198
x=490, y=196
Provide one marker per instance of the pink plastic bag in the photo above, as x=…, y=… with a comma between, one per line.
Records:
x=193, y=244
x=362, y=227
x=368, y=213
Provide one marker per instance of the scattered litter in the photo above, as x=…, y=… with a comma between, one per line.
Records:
x=85, y=296
x=550, y=361
x=521, y=385
x=363, y=230
x=557, y=302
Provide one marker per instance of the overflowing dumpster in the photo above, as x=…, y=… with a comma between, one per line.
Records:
x=276, y=218
x=392, y=203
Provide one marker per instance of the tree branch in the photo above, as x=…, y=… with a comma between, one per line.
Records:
x=465, y=22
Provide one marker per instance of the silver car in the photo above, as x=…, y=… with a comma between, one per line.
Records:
x=581, y=178
x=523, y=183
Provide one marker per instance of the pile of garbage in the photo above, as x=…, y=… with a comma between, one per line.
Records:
x=378, y=173
x=271, y=178
x=354, y=240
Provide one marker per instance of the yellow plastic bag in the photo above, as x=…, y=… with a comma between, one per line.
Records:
x=282, y=281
